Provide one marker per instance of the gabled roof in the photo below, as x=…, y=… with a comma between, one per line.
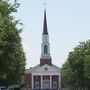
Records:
x=32, y=68
x=37, y=67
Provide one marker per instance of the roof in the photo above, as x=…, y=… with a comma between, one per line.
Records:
x=38, y=66
x=45, y=30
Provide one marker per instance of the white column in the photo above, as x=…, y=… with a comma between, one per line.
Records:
x=32, y=82
x=51, y=81
x=41, y=81
x=59, y=81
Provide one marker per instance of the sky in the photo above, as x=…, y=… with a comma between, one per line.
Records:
x=68, y=24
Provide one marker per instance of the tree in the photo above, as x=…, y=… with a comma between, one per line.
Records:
x=66, y=74
x=87, y=70
x=12, y=57
x=79, y=66
x=87, y=66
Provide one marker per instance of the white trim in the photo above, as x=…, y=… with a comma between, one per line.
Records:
x=48, y=73
x=50, y=81
x=41, y=81
x=38, y=66
x=59, y=82
x=32, y=82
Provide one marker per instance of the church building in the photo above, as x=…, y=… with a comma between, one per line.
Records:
x=46, y=75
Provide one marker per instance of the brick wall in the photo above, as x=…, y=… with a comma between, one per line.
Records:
x=28, y=81
x=45, y=61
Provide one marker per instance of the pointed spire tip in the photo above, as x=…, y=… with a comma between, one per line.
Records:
x=45, y=30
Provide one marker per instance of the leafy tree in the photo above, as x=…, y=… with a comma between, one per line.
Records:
x=12, y=57
x=66, y=75
x=87, y=70
x=87, y=66
x=78, y=66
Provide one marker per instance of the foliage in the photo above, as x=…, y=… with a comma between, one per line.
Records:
x=12, y=57
x=78, y=66
x=87, y=66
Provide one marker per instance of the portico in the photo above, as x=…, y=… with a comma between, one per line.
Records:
x=45, y=82
x=46, y=77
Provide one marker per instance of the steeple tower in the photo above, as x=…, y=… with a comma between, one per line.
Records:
x=45, y=46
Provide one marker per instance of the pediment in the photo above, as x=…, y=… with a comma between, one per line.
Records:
x=46, y=68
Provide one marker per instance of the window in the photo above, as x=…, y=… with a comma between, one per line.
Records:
x=45, y=68
x=46, y=77
x=36, y=85
x=45, y=49
x=54, y=84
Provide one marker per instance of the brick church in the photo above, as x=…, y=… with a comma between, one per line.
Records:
x=46, y=75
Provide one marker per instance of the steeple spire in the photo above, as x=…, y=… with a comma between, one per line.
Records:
x=45, y=30
x=45, y=46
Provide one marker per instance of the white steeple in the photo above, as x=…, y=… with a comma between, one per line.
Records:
x=45, y=46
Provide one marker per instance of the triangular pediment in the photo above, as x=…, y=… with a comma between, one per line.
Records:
x=43, y=69
x=46, y=68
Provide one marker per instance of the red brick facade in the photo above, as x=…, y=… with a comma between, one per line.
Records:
x=45, y=61
x=28, y=81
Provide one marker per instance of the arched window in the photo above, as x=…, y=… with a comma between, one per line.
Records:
x=45, y=49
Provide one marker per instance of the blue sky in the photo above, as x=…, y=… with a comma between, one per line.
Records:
x=68, y=24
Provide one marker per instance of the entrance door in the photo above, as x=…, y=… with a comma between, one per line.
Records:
x=46, y=84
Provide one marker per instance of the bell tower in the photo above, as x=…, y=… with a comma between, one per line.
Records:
x=45, y=46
